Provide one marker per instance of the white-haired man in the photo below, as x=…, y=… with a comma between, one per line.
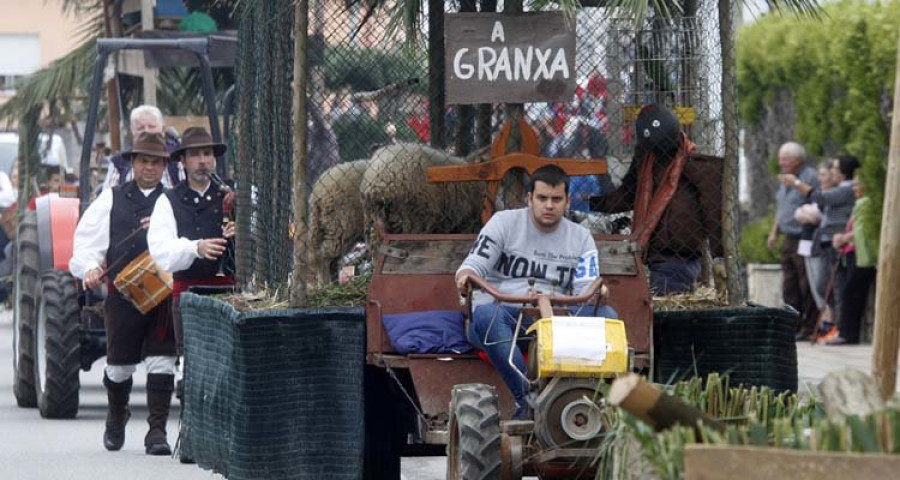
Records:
x=144, y=119
x=795, y=283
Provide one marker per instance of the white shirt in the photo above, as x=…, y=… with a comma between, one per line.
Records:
x=92, y=234
x=170, y=252
x=8, y=192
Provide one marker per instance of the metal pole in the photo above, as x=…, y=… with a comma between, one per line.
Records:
x=84, y=186
x=209, y=92
x=301, y=261
x=436, y=92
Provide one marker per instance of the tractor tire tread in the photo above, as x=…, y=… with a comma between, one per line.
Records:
x=58, y=397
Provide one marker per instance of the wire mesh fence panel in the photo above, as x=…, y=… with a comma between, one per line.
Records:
x=264, y=143
x=376, y=124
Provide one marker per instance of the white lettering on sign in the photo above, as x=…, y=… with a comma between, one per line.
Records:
x=486, y=59
x=560, y=65
x=497, y=33
x=523, y=63
x=529, y=63
x=459, y=68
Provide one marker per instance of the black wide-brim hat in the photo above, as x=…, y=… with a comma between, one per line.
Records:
x=198, y=137
x=658, y=130
x=152, y=144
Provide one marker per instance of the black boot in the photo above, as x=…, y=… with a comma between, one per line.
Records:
x=118, y=413
x=159, y=399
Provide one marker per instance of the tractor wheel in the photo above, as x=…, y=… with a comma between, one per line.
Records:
x=57, y=346
x=473, y=452
x=27, y=265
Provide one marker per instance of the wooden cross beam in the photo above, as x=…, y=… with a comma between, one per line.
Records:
x=494, y=170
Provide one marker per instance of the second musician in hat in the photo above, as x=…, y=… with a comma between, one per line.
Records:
x=187, y=236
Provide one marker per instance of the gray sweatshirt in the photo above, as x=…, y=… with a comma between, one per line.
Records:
x=510, y=249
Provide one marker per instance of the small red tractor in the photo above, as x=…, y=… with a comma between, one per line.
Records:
x=58, y=328
x=414, y=401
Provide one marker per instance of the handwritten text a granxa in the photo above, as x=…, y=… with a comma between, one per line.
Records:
x=522, y=63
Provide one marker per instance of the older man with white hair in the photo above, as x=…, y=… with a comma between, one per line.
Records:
x=144, y=119
x=795, y=283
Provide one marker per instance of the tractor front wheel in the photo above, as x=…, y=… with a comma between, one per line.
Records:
x=57, y=346
x=473, y=452
x=27, y=265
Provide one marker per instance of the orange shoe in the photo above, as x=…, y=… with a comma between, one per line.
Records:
x=831, y=334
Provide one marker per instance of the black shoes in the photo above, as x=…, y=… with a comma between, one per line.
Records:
x=159, y=399
x=117, y=414
x=155, y=443
x=116, y=419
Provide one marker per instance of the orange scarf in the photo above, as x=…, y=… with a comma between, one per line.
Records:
x=649, y=206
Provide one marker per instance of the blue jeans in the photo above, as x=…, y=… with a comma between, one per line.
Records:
x=501, y=333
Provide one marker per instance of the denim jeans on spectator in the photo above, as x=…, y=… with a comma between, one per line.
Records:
x=501, y=334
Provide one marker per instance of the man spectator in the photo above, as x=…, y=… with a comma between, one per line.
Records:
x=144, y=119
x=795, y=174
x=561, y=254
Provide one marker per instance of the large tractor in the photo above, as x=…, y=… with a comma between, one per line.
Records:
x=58, y=326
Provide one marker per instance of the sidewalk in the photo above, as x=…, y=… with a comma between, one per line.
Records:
x=814, y=362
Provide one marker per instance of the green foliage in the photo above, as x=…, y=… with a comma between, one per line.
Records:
x=357, y=135
x=839, y=71
x=755, y=416
x=368, y=69
x=753, y=246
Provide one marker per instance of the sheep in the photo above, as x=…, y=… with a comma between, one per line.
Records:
x=391, y=188
x=335, y=216
x=396, y=194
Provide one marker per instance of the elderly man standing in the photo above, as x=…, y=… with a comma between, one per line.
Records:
x=144, y=119
x=797, y=293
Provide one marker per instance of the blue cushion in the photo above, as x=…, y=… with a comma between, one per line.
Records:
x=433, y=331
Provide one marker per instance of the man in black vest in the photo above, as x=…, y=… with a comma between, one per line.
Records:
x=187, y=236
x=112, y=232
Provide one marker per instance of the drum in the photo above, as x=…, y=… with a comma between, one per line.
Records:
x=143, y=283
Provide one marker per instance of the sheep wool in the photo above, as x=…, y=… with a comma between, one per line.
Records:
x=396, y=193
x=335, y=216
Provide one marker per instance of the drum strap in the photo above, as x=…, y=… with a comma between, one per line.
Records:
x=122, y=258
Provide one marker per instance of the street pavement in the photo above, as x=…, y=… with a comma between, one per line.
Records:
x=32, y=448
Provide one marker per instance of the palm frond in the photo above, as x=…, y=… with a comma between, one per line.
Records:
x=799, y=8
x=79, y=7
x=63, y=79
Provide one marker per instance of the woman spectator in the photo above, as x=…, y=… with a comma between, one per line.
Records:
x=860, y=258
x=836, y=205
x=810, y=216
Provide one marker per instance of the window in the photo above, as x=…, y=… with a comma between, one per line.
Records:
x=8, y=83
x=21, y=57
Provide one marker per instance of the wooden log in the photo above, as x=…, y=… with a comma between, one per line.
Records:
x=708, y=462
x=654, y=407
x=887, y=302
x=301, y=218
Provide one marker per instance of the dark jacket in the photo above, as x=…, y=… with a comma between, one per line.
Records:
x=199, y=216
x=693, y=216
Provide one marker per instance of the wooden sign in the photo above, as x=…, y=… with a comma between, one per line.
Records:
x=509, y=58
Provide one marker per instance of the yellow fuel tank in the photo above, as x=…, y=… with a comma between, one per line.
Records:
x=579, y=352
